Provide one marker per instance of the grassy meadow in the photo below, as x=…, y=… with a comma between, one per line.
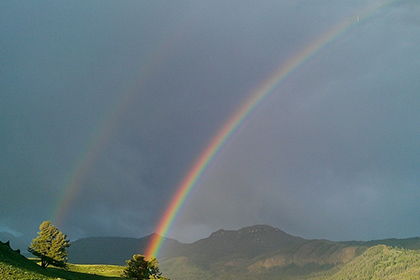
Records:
x=74, y=272
x=14, y=266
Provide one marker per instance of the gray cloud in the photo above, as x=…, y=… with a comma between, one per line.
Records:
x=331, y=153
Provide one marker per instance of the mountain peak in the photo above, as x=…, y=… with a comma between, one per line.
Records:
x=153, y=236
x=259, y=233
x=257, y=229
x=248, y=241
x=260, y=229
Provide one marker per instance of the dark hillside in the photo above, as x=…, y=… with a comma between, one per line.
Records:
x=248, y=241
x=13, y=257
x=13, y=265
x=245, y=243
x=16, y=242
x=112, y=250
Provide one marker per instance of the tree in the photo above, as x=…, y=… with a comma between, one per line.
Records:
x=140, y=269
x=50, y=246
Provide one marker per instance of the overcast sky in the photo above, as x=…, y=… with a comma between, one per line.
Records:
x=105, y=105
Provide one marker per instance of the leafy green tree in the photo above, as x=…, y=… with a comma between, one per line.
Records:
x=140, y=269
x=50, y=246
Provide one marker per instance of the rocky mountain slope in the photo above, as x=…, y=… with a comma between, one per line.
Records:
x=236, y=245
x=382, y=262
x=252, y=251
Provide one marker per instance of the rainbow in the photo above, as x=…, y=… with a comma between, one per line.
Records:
x=73, y=183
x=256, y=97
x=98, y=140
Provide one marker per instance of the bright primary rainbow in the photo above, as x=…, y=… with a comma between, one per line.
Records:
x=255, y=98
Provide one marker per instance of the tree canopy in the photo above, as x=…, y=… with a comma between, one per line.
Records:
x=141, y=269
x=50, y=246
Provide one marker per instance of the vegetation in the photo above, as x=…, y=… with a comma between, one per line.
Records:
x=369, y=262
x=15, y=266
x=377, y=262
x=382, y=262
x=182, y=268
x=141, y=269
x=50, y=246
x=258, y=252
x=407, y=243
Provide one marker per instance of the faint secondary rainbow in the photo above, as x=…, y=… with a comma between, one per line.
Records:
x=73, y=184
x=97, y=142
x=255, y=98
x=103, y=131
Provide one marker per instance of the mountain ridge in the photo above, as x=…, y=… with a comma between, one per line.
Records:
x=248, y=252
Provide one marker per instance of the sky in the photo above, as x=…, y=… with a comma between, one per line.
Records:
x=106, y=105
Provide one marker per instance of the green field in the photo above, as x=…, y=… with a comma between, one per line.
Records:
x=74, y=272
x=14, y=266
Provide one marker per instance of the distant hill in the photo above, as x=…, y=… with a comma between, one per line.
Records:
x=254, y=252
x=16, y=242
x=247, y=243
x=407, y=243
x=112, y=250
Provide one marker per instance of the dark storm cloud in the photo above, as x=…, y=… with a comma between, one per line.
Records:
x=333, y=154
x=333, y=149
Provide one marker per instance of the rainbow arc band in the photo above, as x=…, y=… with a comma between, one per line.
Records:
x=256, y=97
x=102, y=132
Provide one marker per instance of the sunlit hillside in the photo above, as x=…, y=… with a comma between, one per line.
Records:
x=377, y=262
x=382, y=262
x=14, y=266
